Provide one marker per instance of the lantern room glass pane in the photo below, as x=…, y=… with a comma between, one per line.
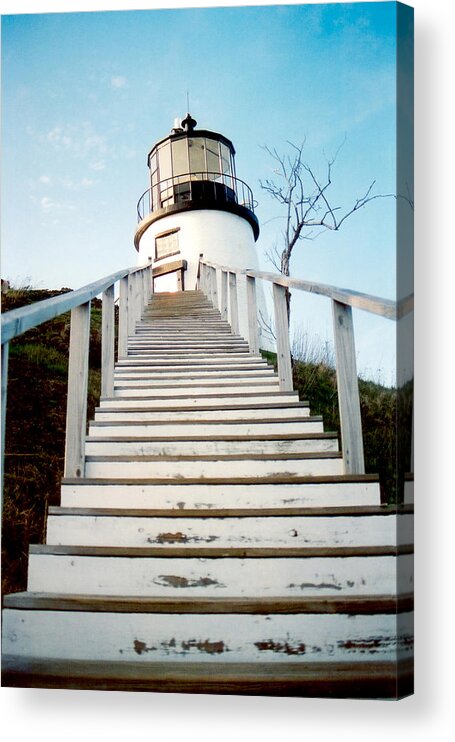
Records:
x=180, y=156
x=196, y=149
x=213, y=156
x=164, y=155
x=225, y=159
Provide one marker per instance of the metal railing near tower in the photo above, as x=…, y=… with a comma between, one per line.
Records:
x=195, y=186
x=219, y=283
x=134, y=292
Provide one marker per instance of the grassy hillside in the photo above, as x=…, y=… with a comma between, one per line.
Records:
x=36, y=413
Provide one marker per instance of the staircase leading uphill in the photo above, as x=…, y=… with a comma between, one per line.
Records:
x=214, y=544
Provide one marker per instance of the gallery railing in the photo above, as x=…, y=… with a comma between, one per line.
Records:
x=195, y=186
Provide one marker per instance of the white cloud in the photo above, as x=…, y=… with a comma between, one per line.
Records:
x=99, y=165
x=45, y=179
x=47, y=205
x=76, y=185
x=78, y=140
x=118, y=81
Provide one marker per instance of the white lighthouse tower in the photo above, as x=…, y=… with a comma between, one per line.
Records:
x=195, y=205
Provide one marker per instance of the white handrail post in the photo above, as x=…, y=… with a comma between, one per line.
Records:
x=123, y=318
x=253, y=334
x=214, y=288
x=107, y=343
x=234, y=306
x=283, y=347
x=208, y=282
x=224, y=295
x=202, y=276
x=76, y=412
x=148, y=283
x=348, y=389
x=136, y=297
x=131, y=305
x=4, y=388
x=140, y=295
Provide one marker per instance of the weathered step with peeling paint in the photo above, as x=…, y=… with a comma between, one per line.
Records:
x=195, y=391
x=252, y=572
x=178, y=637
x=191, y=353
x=189, y=398
x=199, y=376
x=225, y=492
x=168, y=344
x=212, y=466
x=209, y=429
x=170, y=387
x=200, y=408
x=192, y=361
x=207, y=445
x=263, y=528
x=131, y=365
x=147, y=413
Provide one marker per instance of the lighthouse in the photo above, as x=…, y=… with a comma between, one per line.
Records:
x=195, y=205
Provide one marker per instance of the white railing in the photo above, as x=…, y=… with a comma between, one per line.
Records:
x=135, y=290
x=212, y=275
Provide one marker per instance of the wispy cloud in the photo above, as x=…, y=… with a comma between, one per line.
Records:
x=118, y=81
x=98, y=165
x=48, y=205
x=79, y=140
x=76, y=185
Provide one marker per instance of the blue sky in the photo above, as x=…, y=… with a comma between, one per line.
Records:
x=85, y=96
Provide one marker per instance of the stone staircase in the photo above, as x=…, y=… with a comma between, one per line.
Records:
x=215, y=544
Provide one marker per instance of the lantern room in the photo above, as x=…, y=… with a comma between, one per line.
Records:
x=195, y=169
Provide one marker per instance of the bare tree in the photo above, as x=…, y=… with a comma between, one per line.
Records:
x=308, y=208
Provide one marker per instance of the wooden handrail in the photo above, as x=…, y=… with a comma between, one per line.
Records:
x=373, y=304
x=343, y=300
x=17, y=321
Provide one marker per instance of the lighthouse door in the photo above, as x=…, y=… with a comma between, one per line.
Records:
x=169, y=277
x=167, y=282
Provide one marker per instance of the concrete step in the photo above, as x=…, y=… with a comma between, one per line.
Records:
x=212, y=572
x=187, y=467
x=139, y=447
x=273, y=492
x=226, y=528
x=172, y=637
